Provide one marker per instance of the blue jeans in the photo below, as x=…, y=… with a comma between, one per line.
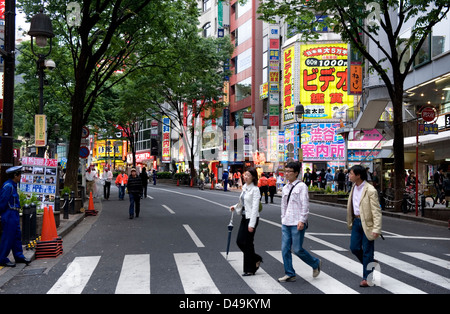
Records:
x=293, y=238
x=135, y=201
x=362, y=247
x=122, y=191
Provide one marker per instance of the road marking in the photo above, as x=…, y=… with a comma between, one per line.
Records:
x=413, y=270
x=193, y=236
x=194, y=276
x=135, y=275
x=168, y=209
x=385, y=282
x=323, y=282
x=430, y=259
x=261, y=283
x=76, y=276
x=385, y=233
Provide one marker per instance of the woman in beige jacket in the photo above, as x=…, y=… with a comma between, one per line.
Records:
x=364, y=219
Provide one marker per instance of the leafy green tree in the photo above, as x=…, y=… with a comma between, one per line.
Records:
x=359, y=22
x=107, y=41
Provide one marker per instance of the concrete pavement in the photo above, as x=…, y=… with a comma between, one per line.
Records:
x=67, y=225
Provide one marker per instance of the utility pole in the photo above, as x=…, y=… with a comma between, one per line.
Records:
x=8, y=55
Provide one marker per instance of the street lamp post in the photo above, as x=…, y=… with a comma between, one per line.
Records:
x=41, y=30
x=299, y=118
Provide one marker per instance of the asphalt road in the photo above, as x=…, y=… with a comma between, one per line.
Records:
x=178, y=244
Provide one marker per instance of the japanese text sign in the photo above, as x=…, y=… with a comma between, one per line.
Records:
x=323, y=81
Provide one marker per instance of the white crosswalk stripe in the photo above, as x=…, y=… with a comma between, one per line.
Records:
x=262, y=283
x=413, y=270
x=76, y=276
x=135, y=275
x=430, y=259
x=323, y=282
x=194, y=276
x=196, y=279
x=386, y=282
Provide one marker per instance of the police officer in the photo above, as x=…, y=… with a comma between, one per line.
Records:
x=9, y=211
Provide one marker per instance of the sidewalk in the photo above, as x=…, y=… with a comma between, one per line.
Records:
x=65, y=226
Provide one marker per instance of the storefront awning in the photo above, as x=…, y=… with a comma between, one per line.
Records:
x=423, y=140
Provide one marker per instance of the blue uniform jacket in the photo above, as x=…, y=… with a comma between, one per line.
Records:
x=9, y=196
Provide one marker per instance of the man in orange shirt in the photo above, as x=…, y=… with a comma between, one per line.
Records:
x=264, y=187
x=272, y=181
x=121, y=183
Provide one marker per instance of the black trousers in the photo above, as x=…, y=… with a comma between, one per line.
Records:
x=106, y=189
x=245, y=243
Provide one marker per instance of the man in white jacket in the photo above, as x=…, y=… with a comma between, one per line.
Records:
x=294, y=220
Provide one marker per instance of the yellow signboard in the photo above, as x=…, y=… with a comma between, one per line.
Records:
x=288, y=84
x=40, y=130
x=323, y=81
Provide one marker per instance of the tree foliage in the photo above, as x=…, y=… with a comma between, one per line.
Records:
x=367, y=24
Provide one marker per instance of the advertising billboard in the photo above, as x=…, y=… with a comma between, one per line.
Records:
x=323, y=81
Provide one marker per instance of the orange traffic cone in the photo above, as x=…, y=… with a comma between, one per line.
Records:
x=50, y=244
x=91, y=210
x=46, y=234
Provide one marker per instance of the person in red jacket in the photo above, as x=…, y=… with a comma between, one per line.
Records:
x=121, y=183
x=272, y=182
x=264, y=187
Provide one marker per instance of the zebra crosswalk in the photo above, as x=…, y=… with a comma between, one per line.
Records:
x=135, y=274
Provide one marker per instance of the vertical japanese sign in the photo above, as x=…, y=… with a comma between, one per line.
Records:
x=323, y=81
x=288, y=84
x=40, y=130
x=166, y=140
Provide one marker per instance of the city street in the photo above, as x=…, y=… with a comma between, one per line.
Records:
x=178, y=246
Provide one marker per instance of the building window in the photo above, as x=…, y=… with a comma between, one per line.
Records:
x=243, y=89
x=244, y=32
x=440, y=41
x=244, y=60
x=242, y=8
x=206, y=5
x=207, y=30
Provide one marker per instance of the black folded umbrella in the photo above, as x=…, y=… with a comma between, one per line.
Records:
x=230, y=228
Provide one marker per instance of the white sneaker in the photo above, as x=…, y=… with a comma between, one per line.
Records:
x=316, y=271
x=286, y=278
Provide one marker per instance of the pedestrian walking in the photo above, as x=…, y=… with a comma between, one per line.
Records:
x=107, y=177
x=134, y=187
x=144, y=178
x=154, y=176
x=272, y=183
x=121, y=183
x=225, y=180
x=341, y=180
x=264, y=187
x=307, y=177
x=446, y=187
x=363, y=219
x=11, y=238
x=329, y=179
x=294, y=220
x=201, y=184
x=90, y=180
x=248, y=207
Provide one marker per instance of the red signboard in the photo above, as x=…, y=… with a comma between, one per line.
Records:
x=429, y=114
